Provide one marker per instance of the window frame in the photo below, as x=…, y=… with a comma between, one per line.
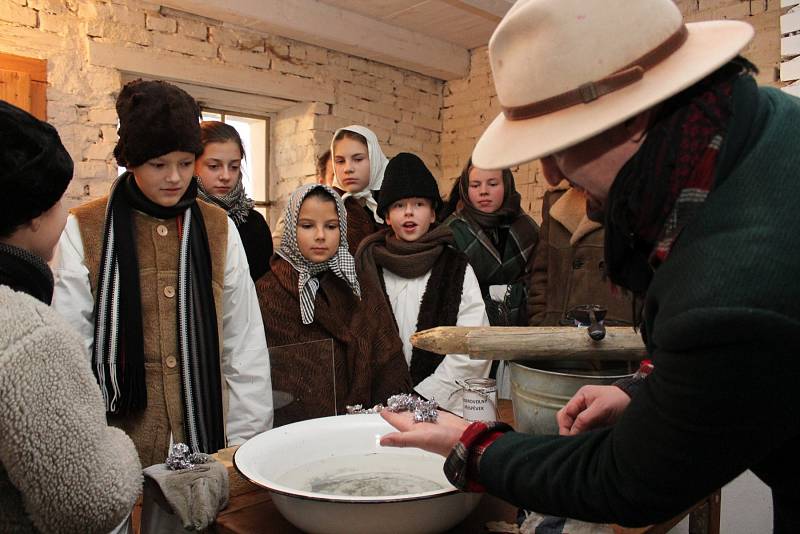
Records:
x=264, y=204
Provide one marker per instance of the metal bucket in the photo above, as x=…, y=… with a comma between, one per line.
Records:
x=540, y=389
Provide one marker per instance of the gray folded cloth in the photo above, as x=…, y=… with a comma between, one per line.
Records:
x=196, y=495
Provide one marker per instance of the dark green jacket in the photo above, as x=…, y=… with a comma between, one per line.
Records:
x=723, y=321
x=513, y=267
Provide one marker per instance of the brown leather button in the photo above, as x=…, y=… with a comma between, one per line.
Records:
x=171, y=361
x=169, y=292
x=162, y=230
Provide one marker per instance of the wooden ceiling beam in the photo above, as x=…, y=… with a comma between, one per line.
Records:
x=320, y=24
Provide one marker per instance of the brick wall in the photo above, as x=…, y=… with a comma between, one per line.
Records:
x=403, y=108
x=408, y=112
x=471, y=104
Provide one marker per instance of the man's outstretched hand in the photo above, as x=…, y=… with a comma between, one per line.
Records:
x=439, y=437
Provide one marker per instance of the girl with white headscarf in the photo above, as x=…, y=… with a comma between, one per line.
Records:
x=358, y=164
x=323, y=358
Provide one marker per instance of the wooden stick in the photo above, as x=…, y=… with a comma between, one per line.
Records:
x=531, y=343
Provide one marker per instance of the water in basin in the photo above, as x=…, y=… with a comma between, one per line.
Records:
x=368, y=475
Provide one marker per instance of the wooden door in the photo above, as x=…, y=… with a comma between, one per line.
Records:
x=23, y=82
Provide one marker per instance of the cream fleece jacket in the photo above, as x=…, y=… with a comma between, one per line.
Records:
x=62, y=468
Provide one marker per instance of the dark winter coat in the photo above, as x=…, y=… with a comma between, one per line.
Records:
x=722, y=316
x=257, y=242
x=360, y=223
x=512, y=266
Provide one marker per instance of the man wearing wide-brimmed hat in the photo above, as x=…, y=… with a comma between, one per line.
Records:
x=694, y=170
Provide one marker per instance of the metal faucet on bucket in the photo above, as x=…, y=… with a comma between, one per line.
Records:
x=590, y=316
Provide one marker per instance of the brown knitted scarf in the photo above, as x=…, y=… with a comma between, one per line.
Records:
x=406, y=259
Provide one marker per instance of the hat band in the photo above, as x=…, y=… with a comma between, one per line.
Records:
x=591, y=91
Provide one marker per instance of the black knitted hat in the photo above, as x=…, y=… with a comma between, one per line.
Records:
x=35, y=168
x=155, y=118
x=407, y=176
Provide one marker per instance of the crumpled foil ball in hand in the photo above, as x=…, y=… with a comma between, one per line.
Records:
x=424, y=411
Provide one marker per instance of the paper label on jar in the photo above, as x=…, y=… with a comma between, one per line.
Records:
x=480, y=399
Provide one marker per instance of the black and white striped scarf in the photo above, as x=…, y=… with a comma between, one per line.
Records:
x=341, y=264
x=118, y=353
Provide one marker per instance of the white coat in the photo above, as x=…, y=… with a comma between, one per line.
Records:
x=405, y=296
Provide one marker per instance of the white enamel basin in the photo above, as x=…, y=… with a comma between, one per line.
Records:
x=302, y=464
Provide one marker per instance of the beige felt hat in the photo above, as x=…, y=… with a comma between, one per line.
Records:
x=565, y=70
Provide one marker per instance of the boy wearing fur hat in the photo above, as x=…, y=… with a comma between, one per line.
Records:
x=158, y=284
x=426, y=281
x=693, y=169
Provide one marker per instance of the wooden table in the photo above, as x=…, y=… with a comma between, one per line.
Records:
x=253, y=511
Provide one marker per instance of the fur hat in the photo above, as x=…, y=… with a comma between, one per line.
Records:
x=35, y=168
x=566, y=70
x=407, y=176
x=155, y=118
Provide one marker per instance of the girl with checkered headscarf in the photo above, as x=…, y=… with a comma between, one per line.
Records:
x=329, y=342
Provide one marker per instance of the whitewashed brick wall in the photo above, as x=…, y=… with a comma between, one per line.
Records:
x=471, y=104
x=408, y=112
x=403, y=108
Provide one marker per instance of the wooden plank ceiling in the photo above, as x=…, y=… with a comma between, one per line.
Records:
x=466, y=23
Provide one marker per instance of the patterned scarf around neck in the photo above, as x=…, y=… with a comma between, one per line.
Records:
x=661, y=188
x=406, y=259
x=24, y=271
x=235, y=202
x=341, y=264
x=118, y=353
